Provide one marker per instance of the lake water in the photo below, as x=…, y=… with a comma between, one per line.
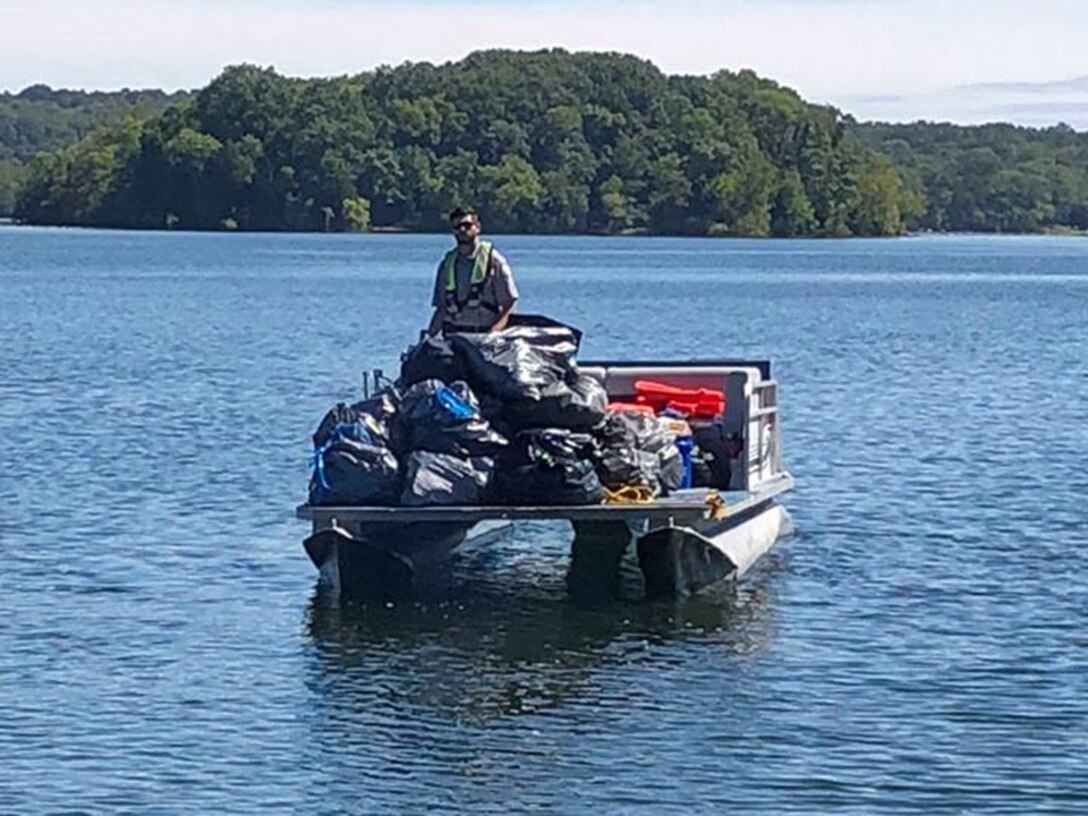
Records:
x=918, y=646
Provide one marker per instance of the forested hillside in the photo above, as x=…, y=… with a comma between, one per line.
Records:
x=989, y=178
x=542, y=142
x=40, y=119
x=549, y=141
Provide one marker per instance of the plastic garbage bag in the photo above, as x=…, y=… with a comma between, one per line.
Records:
x=550, y=466
x=348, y=420
x=510, y=368
x=718, y=452
x=372, y=421
x=578, y=403
x=446, y=479
x=492, y=409
x=444, y=418
x=672, y=468
x=652, y=437
x=543, y=332
x=432, y=358
x=349, y=471
x=619, y=462
x=540, y=331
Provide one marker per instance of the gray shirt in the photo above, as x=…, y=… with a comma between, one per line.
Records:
x=499, y=289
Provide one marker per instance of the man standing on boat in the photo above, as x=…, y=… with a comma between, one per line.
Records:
x=474, y=289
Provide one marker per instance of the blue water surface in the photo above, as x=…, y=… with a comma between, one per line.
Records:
x=919, y=646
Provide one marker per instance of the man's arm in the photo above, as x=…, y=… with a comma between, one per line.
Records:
x=504, y=318
x=435, y=326
x=437, y=300
x=506, y=291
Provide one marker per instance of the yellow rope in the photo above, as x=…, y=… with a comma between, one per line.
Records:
x=630, y=494
x=640, y=494
x=716, y=507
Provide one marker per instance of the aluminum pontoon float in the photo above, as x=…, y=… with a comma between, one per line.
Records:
x=684, y=543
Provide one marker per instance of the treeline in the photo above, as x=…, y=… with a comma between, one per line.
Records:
x=41, y=119
x=549, y=142
x=539, y=142
x=989, y=178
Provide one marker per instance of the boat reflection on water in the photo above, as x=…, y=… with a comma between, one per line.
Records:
x=487, y=648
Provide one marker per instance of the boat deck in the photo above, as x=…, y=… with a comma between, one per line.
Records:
x=684, y=506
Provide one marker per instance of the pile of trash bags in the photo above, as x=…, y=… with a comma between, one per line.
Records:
x=501, y=418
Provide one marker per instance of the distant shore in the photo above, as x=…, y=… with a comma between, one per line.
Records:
x=1050, y=232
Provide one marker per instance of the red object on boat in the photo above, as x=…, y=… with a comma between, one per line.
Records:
x=696, y=402
x=623, y=407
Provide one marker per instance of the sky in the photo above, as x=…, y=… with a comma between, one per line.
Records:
x=957, y=60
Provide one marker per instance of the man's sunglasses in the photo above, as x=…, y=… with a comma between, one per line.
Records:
x=460, y=225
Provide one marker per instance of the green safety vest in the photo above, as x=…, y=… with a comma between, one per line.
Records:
x=473, y=312
x=481, y=266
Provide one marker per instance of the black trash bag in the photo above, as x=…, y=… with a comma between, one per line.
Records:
x=492, y=409
x=339, y=415
x=544, y=332
x=652, y=437
x=510, y=367
x=702, y=474
x=383, y=406
x=444, y=418
x=578, y=403
x=541, y=331
x=348, y=471
x=445, y=479
x=717, y=450
x=619, y=462
x=432, y=358
x=671, y=463
x=550, y=466
x=370, y=421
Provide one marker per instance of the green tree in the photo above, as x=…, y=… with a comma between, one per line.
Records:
x=879, y=194
x=619, y=210
x=791, y=211
x=12, y=176
x=668, y=194
x=191, y=156
x=740, y=198
x=512, y=193
x=356, y=212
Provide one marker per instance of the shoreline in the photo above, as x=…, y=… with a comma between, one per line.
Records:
x=1051, y=232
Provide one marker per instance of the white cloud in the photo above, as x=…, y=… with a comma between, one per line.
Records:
x=1039, y=104
x=830, y=50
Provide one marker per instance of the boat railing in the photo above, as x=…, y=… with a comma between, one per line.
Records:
x=764, y=448
x=752, y=397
